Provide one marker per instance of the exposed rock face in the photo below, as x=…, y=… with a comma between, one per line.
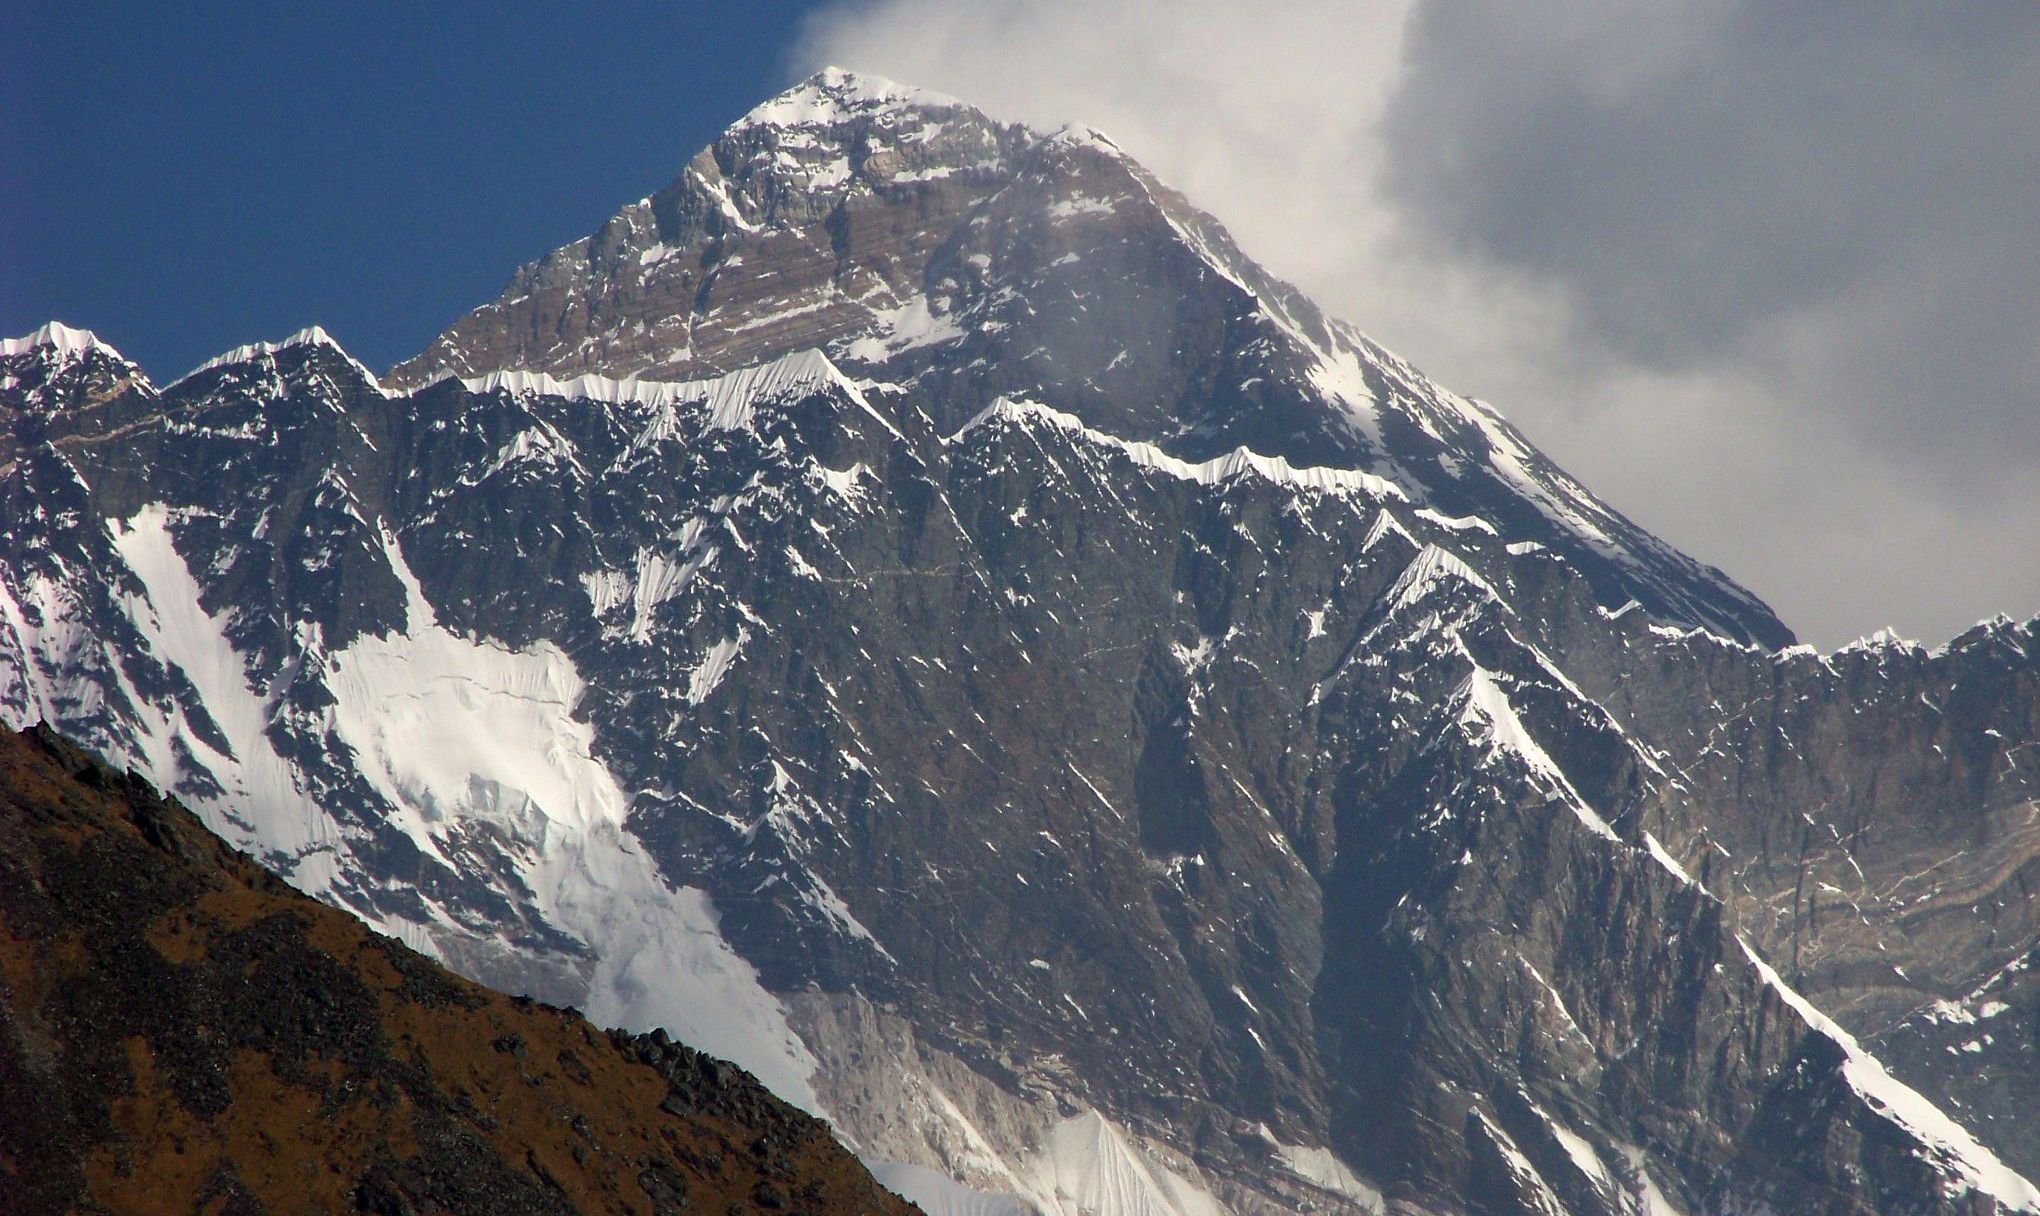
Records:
x=917, y=240
x=813, y=215
x=181, y=1032
x=1050, y=699
x=1873, y=813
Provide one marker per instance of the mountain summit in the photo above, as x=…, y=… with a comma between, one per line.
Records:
x=911, y=608
x=921, y=243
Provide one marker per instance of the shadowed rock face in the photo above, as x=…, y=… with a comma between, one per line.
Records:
x=181, y=1032
x=1151, y=745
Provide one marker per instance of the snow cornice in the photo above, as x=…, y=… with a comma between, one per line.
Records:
x=60, y=338
x=310, y=336
x=1237, y=463
x=800, y=370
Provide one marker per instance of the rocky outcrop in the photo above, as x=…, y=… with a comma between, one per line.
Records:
x=180, y=1032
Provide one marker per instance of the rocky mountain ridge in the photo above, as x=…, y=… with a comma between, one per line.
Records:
x=1203, y=780
x=181, y=1032
x=920, y=242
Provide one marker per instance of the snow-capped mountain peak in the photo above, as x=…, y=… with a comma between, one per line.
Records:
x=914, y=607
x=924, y=244
x=59, y=367
x=58, y=338
x=310, y=337
x=833, y=96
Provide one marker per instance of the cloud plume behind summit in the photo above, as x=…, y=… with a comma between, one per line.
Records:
x=1764, y=278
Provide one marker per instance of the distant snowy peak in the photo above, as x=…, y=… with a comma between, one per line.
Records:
x=58, y=367
x=836, y=134
x=312, y=336
x=59, y=339
x=836, y=95
x=2000, y=630
x=1885, y=641
x=61, y=352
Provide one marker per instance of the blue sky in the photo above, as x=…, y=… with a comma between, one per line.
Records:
x=183, y=178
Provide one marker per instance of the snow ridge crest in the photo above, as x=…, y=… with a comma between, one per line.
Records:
x=309, y=336
x=59, y=337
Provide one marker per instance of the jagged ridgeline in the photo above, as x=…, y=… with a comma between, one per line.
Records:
x=912, y=608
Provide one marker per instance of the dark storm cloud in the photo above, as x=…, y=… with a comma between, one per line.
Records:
x=1843, y=190
x=1766, y=277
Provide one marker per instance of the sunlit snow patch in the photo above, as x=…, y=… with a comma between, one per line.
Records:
x=937, y=1194
x=450, y=729
x=1088, y=1168
x=453, y=734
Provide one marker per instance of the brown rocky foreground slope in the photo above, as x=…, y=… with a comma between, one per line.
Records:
x=181, y=1032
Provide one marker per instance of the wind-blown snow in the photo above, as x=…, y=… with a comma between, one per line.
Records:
x=835, y=95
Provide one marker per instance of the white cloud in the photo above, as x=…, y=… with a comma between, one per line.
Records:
x=1387, y=158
